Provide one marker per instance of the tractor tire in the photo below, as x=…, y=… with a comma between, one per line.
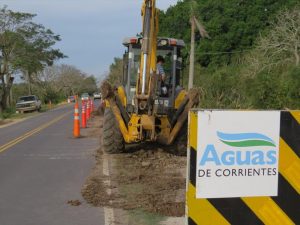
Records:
x=179, y=147
x=112, y=139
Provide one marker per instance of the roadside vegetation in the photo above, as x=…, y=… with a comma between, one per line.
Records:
x=53, y=85
x=27, y=64
x=250, y=61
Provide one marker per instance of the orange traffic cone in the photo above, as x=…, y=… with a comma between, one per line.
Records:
x=88, y=109
x=76, y=129
x=83, y=115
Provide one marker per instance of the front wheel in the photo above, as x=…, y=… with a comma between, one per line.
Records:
x=112, y=139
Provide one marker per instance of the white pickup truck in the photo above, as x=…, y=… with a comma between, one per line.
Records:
x=28, y=103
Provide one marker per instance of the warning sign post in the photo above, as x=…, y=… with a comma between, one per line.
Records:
x=243, y=167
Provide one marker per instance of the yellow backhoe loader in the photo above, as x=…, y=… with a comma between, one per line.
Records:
x=141, y=109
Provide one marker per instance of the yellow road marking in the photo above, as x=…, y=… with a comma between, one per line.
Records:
x=30, y=133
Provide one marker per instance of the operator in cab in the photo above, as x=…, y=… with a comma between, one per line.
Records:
x=162, y=75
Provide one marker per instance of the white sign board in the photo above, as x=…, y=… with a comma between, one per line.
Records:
x=237, y=154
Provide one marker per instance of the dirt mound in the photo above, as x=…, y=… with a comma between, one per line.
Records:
x=74, y=202
x=151, y=179
x=146, y=178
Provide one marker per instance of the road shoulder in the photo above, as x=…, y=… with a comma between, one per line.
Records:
x=145, y=186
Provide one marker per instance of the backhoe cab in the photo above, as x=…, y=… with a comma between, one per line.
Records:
x=140, y=110
x=163, y=103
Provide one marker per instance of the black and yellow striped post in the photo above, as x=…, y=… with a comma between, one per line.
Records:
x=280, y=210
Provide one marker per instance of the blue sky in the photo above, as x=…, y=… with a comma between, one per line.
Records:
x=91, y=30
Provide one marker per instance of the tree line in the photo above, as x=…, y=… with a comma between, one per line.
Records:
x=27, y=51
x=250, y=61
x=252, y=57
x=55, y=83
x=25, y=47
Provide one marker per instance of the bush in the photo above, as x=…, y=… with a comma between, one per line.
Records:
x=7, y=113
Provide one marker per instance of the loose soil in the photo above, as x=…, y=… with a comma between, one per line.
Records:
x=74, y=202
x=145, y=177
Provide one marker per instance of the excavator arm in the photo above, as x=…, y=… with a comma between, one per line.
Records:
x=144, y=118
x=148, y=50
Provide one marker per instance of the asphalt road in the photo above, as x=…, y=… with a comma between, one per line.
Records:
x=42, y=167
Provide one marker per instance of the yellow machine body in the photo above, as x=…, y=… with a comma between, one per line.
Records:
x=142, y=113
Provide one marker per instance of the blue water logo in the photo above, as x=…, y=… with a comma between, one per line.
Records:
x=239, y=157
x=245, y=139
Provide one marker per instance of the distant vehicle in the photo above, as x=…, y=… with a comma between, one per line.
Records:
x=85, y=96
x=71, y=99
x=28, y=103
x=97, y=96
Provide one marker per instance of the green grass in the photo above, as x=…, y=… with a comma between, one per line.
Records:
x=8, y=113
x=140, y=217
x=11, y=114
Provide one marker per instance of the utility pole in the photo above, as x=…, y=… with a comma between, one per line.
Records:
x=203, y=34
x=192, y=55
